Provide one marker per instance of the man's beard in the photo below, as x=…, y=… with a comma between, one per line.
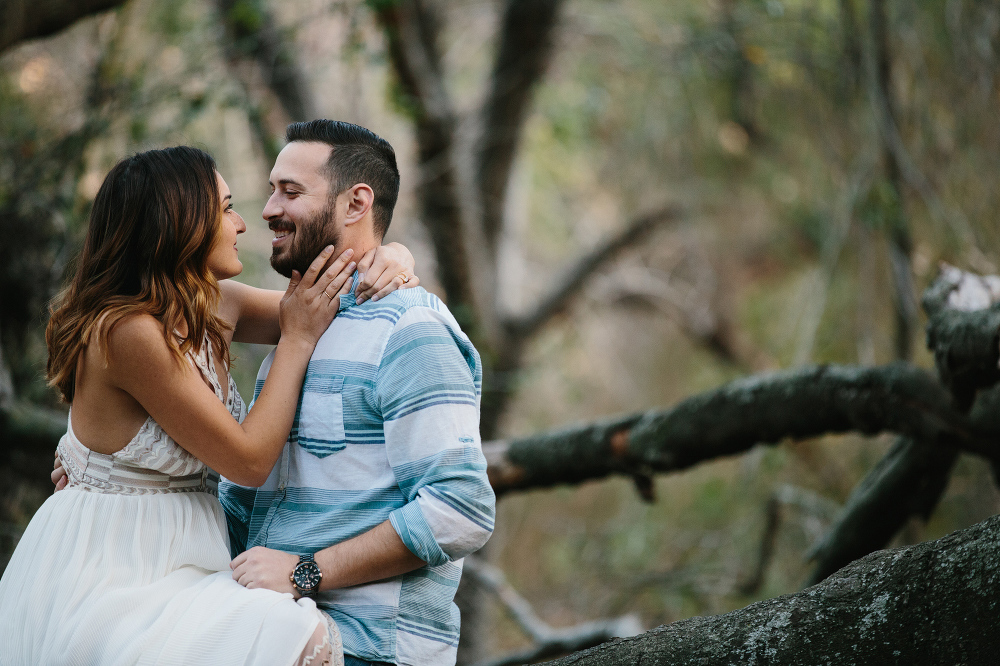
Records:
x=310, y=237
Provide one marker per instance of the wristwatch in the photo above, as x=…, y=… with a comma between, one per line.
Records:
x=306, y=576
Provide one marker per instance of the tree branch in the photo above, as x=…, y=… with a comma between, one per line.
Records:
x=524, y=52
x=908, y=481
x=572, y=283
x=548, y=641
x=29, y=19
x=805, y=402
x=911, y=478
x=933, y=603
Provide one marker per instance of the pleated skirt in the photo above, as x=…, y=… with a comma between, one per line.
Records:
x=139, y=579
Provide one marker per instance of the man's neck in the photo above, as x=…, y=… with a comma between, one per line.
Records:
x=360, y=247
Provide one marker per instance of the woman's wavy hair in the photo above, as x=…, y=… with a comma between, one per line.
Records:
x=152, y=226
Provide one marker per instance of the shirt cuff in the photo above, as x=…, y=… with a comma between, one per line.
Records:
x=412, y=528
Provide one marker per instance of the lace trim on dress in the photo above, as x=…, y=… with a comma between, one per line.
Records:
x=102, y=473
x=330, y=648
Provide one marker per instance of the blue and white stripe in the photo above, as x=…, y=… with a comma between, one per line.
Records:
x=387, y=429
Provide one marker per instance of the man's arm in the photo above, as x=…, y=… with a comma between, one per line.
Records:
x=427, y=389
x=377, y=554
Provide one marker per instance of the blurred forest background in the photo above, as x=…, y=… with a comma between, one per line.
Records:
x=695, y=191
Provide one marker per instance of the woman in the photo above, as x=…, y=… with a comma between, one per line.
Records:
x=129, y=564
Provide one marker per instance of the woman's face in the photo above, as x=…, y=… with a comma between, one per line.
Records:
x=224, y=258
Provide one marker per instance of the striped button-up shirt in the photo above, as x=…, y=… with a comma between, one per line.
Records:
x=387, y=427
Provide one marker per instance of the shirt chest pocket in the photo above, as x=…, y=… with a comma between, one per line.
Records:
x=321, y=419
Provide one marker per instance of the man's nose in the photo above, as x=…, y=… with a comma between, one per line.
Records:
x=271, y=209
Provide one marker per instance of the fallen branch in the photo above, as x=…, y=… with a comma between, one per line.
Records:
x=911, y=478
x=800, y=403
x=933, y=603
x=907, y=482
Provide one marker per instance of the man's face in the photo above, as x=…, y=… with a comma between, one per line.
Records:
x=300, y=211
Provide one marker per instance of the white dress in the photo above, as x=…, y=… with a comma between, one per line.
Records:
x=129, y=564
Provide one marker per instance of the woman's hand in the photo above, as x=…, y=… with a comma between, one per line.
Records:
x=58, y=474
x=384, y=270
x=312, y=300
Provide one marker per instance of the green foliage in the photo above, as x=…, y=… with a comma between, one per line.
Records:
x=753, y=114
x=172, y=20
x=880, y=208
x=246, y=16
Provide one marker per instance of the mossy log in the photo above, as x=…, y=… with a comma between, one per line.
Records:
x=805, y=402
x=933, y=603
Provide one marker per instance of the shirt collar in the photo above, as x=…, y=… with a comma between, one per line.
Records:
x=349, y=299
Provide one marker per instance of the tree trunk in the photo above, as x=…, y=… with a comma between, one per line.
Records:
x=933, y=603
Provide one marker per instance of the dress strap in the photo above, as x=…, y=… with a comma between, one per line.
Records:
x=204, y=362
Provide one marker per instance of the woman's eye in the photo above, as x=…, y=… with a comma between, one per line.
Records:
x=229, y=207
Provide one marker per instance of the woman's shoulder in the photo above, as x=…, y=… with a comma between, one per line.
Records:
x=132, y=334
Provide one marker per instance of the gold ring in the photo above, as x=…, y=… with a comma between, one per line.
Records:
x=403, y=275
x=328, y=295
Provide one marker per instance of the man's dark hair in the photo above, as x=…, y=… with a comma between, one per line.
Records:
x=359, y=156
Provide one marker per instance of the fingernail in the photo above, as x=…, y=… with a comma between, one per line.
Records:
x=360, y=300
x=349, y=252
x=375, y=298
x=328, y=249
x=351, y=266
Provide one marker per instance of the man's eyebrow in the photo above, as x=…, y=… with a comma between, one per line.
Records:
x=287, y=181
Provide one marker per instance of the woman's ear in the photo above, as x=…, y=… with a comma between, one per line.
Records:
x=359, y=201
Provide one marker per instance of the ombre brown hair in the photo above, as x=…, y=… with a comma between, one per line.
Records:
x=152, y=226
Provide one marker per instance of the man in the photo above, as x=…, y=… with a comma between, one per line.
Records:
x=381, y=489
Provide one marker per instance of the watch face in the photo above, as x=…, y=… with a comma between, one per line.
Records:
x=307, y=576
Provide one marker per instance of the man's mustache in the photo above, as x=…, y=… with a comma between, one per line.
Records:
x=280, y=225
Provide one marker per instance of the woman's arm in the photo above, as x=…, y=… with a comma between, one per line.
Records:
x=254, y=312
x=178, y=399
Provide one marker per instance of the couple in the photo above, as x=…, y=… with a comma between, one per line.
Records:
x=372, y=484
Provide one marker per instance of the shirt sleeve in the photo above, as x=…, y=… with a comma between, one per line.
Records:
x=428, y=388
x=237, y=502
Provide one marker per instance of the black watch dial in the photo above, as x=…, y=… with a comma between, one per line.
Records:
x=306, y=576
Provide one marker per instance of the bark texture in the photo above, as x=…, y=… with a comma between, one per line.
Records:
x=933, y=603
x=24, y=19
x=800, y=403
x=910, y=480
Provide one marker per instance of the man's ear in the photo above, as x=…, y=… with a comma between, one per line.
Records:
x=359, y=200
